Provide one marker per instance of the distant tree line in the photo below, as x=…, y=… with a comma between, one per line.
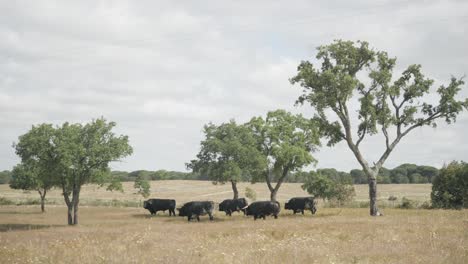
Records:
x=405, y=173
x=156, y=175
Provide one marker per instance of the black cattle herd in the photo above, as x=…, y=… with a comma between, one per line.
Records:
x=259, y=209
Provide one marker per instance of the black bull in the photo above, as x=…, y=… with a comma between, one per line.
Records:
x=155, y=205
x=299, y=204
x=196, y=209
x=263, y=208
x=233, y=205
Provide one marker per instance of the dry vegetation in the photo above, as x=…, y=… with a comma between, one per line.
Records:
x=130, y=235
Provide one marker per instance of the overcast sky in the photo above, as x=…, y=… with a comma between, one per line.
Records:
x=163, y=69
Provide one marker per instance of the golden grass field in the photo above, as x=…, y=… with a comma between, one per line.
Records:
x=131, y=235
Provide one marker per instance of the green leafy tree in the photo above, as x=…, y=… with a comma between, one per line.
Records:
x=5, y=176
x=286, y=142
x=72, y=155
x=38, y=160
x=227, y=153
x=450, y=187
x=328, y=188
x=85, y=152
x=384, y=104
x=142, y=185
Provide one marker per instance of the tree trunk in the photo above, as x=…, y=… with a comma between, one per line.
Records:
x=69, y=213
x=374, y=211
x=76, y=200
x=43, y=204
x=42, y=194
x=273, y=195
x=234, y=189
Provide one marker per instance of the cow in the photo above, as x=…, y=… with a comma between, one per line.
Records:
x=197, y=208
x=155, y=205
x=299, y=204
x=263, y=208
x=233, y=205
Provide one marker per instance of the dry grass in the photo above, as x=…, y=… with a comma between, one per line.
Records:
x=184, y=191
x=130, y=235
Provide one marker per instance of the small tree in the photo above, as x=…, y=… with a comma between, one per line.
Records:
x=143, y=186
x=384, y=103
x=392, y=199
x=321, y=186
x=286, y=142
x=38, y=160
x=227, y=153
x=450, y=187
x=72, y=155
x=250, y=193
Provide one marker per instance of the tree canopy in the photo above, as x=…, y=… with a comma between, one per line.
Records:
x=72, y=155
x=286, y=142
x=228, y=154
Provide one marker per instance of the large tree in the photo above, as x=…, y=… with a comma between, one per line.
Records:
x=348, y=70
x=286, y=142
x=85, y=153
x=227, y=154
x=38, y=160
x=73, y=155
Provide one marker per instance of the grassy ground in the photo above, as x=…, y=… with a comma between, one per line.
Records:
x=131, y=235
x=184, y=191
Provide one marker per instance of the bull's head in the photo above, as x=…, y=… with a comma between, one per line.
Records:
x=182, y=211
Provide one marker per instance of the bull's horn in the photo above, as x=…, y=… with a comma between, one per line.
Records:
x=245, y=207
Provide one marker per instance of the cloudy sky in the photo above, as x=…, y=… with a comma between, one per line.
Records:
x=163, y=69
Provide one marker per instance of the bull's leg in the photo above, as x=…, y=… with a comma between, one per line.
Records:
x=229, y=212
x=255, y=217
x=263, y=217
x=198, y=218
x=211, y=217
x=276, y=216
x=302, y=212
x=189, y=216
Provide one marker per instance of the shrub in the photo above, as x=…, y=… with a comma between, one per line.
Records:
x=6, y=201
x=450, y=187
x=251, y=194
x=407, y=204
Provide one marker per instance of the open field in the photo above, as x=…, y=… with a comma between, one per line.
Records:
x=131, y=235
x=184, y=191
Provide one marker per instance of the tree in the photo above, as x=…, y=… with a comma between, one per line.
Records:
x=286, y=142
x=85, y=152
x=401, y=105
x=142, y=185
x=227, y=153
x=38, y=159
x=450, y=187
x=5, y=176
x=70, y=156
x=328, y=188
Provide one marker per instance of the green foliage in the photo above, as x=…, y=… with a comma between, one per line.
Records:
x=407, y=204
x=6, y=201
x=228, y=153
x=251, y=194
x=450, y=187
x=285, y=141
x=70, y=156
x=5, y=176
x=327, y=188
x=142, y=185
x=385, y=102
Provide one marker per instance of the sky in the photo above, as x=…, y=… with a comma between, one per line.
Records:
x=163, y=69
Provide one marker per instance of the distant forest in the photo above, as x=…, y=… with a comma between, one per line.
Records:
x=405, y=173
